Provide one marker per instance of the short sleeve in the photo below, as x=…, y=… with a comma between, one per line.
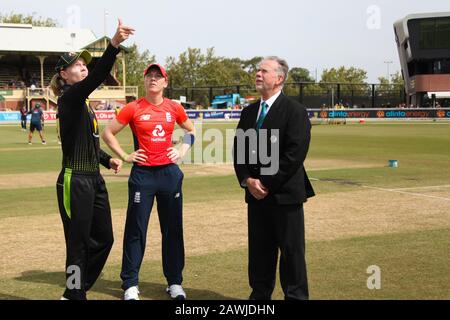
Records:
x=181, y=114
x=126, y=114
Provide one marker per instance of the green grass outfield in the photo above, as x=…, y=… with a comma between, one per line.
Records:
x=344, y=161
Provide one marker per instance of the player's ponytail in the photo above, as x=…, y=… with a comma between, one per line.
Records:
x=57, y=84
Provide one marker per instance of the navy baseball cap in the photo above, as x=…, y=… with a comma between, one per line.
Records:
x=69, y=58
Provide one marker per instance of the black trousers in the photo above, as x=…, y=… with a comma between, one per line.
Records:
x=86, y=215
x=23, y=122
x=272, y=229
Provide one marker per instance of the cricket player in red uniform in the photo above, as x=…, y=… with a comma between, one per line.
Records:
x=154, y=174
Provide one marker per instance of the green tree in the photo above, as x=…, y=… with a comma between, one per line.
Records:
x=193, y=68
x=250, y=67
x=384, y=83
x=135, y=63
x=297, y=74
x=397, y=79
x=396, y=83
x=184, y=72
x=204, y=102
x=238, y=101
x=344, y=75
x=28, y=19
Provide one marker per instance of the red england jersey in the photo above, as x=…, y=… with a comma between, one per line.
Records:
x=152, y=127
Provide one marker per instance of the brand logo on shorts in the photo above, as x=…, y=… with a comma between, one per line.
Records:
x=145, y=117
x=137, y=197
x=177, y=195
x=168, y=117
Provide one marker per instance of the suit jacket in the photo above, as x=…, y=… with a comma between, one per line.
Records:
x=290, y=184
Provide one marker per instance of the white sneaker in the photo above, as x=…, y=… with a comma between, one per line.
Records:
x=176, y=292
x=131, y=293
x=62, y=298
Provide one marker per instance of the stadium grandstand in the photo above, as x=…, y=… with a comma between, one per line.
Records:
x=28, y=56
x=423, y=43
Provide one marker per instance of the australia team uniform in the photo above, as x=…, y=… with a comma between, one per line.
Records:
x=158, y=177
x=82, y=195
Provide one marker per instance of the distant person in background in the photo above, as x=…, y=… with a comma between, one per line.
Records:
x=23, y=118
x=36, y=123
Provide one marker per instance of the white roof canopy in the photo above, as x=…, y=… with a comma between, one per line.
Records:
x=26, y=38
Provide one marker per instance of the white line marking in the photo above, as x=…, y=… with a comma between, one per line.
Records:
x=425, y=187
x=401, y=190
x=408, y=193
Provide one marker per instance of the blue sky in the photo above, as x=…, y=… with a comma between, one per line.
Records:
x=311, y=34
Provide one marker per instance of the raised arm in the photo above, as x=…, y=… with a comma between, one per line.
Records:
x=103, y=67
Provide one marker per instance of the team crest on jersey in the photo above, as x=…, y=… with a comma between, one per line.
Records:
x=168, y=117
x=145, y=117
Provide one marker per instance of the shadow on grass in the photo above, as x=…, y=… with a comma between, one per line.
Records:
x=9, y=297
x=148, y=290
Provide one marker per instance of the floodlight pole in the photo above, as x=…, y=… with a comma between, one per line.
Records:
x=388, y=63
x=105, y=15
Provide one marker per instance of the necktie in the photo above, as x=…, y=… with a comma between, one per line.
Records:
x=262, y=115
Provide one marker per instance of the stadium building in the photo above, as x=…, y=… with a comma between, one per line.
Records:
x=423, y=42
x=28, y=56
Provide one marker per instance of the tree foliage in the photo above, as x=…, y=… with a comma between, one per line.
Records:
x=28, y=19
x=193, y=68
x=135, y=63
x=344, y=75
x=297, y=74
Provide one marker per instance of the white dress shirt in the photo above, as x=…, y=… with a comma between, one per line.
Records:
x=269, y=102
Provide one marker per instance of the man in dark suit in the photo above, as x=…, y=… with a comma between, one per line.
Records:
x=270, y=146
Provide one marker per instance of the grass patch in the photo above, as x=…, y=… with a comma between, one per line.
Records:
x=413, y=266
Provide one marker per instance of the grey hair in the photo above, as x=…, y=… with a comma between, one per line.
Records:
x=283, y=67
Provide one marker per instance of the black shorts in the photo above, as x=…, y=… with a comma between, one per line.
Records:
x=35, y=126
